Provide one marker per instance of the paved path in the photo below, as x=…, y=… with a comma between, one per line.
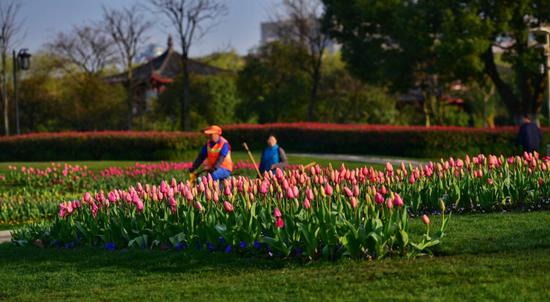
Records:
x=5, y=236
x=370, y=159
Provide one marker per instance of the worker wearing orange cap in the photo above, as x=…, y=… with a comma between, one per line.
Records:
x=215, y=155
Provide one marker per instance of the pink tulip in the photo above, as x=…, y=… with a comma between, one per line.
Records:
x=328, y=190
x=228, y=207
x=307, y=204
x=227, y=191
x=289, y=193
x=389, y=167
x=411, y=179
x=87, y=197
x=348, y=192
x=398, y=201
x=490, y=181
x=389, y=203
x=378, y=198
x=354, y=202
x=277, y=213
x=216, y=196
x=309, y=193
x=356, y=191
x=199, y=206
x=425, y=219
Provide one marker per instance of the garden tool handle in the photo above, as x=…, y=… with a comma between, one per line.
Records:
x=252, y=159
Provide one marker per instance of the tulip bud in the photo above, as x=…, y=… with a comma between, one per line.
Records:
x=425, y=219
x=442, y=205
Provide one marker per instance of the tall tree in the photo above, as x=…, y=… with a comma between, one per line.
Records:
x=469, y=38
x=10, y=27
x=128, y=30
x=191, y=19
x=300, y=21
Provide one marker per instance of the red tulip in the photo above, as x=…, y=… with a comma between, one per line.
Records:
x=279, y=223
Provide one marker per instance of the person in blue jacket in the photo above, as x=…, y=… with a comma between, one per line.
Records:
x=273, y=156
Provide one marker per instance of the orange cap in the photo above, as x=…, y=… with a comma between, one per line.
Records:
x=213, y=130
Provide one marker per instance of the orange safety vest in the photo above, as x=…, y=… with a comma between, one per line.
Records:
x=213, y=153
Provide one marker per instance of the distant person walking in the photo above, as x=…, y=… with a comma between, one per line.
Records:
x=273, y=156
x=529, y=136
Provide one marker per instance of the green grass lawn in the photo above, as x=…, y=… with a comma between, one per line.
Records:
x=99, y=165
x=495, y=256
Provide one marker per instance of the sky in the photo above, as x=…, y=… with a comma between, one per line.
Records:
x=240, y=29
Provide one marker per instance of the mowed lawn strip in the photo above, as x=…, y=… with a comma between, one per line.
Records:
x=100, y=165
x=498, y=256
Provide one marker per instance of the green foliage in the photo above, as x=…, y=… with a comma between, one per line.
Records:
x=273, y=85
x=348, y=100
x=404, y=42
x=228, y=60
x=51, y=100
x=216, y=100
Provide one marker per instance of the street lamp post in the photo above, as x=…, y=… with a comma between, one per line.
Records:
x=545, y=32
x=21, y=61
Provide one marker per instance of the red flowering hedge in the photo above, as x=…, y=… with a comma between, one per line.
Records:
x=415, y=141
x=412, y=141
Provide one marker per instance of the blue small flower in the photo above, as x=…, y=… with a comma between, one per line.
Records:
x=198, y=245
x=243, y=244
x=111, y=246
x=228, y=249
x=70, y=245
x=180, y=246
x=211, y=247
x=257, y=245
x=298, y=251
x=221, y=240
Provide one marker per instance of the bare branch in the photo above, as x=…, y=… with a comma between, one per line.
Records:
x=192, y=19
x=128, y=30
x=84, y=47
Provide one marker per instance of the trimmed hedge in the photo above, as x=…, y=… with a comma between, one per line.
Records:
x=408, y=141
x=109, y=145
x=294, y=137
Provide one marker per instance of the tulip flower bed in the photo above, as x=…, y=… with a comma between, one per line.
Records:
x=29, y=194
x=298, y=213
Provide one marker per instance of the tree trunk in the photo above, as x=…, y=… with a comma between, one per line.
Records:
x=130, y=95
x=313, y=98
x=316, y=79
x=504, y=90
x=5, y=96
x=185, y=100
